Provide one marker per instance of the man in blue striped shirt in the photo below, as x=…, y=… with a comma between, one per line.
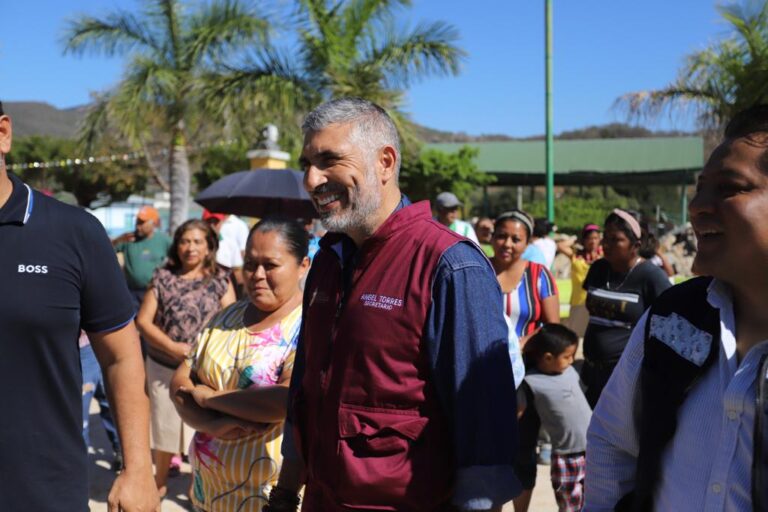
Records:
x=707, y=463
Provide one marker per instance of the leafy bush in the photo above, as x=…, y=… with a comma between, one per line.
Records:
x=435, y=171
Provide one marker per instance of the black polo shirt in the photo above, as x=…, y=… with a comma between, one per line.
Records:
x=58, y=273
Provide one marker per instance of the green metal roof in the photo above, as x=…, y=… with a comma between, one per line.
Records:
x=625, y=156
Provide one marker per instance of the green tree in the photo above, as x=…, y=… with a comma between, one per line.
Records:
x=719, y=81
x=436, y=171
x=174, y=51
x=347, y=48
x=111, y=180
x=217, y=162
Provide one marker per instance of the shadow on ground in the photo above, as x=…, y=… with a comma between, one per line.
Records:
x=101, y=476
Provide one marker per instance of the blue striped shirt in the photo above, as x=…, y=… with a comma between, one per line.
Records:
x=707, y=465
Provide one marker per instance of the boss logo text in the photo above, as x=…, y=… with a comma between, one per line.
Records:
x=33, y=269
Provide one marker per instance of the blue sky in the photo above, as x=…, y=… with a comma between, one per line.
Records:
x=603, y=48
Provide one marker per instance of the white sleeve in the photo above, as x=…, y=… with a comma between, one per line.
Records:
x=228, y=254
x=612, y=439
x=515, y=356
x=471, y=234
x=242, y=235
x=237, y=255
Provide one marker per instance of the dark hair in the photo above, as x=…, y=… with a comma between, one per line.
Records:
x=211, y=239
x=551, y=338
x=293, y=233
x=481, y=219
x=517, y=216
x=1, y=108
x=541, y=227
x=650, y=245
x=747, y=122
x=616, y=221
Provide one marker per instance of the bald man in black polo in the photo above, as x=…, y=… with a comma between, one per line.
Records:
x=58, y=273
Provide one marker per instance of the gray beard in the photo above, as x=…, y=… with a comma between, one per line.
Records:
x=358, y=215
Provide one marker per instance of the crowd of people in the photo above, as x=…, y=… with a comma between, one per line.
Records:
x=414, y=363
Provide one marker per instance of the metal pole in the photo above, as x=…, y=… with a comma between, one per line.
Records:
x=550, y=141
x=683, y=205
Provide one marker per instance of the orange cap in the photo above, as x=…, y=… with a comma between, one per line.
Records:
x=148, y=213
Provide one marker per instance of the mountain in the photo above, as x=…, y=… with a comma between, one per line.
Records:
x=37, y=118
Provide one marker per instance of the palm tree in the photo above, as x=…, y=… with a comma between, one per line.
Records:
x=719, y=81
x=172, y=52
x=347, y=48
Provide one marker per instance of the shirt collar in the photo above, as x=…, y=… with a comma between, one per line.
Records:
x=18, y=208
x=719, y=294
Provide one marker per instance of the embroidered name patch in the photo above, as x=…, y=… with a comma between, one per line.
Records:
x=682, y=336
x=372, y=300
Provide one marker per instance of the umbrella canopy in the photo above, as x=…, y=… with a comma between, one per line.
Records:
x=259, y=192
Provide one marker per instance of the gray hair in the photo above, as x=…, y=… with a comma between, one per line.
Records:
x=372, y=126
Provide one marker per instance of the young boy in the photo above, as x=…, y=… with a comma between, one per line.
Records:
x=560, y=404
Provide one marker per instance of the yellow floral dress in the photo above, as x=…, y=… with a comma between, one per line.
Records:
x=237, y=474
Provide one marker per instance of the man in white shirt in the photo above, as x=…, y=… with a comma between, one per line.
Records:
x=696, y=451
x=547, y=246
x=447, y=205
x=235, y=229
x=229, y=254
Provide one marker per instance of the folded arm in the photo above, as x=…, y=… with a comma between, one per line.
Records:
x=258, y=404
x=203, y=420
x=154, y=335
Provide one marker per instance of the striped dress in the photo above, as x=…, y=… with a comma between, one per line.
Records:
x=237, y=474
x=522, y=306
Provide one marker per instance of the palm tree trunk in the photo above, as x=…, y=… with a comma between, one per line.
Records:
x=155, y=163
x=180, y=179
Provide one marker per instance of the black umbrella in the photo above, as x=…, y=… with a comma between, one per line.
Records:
x=258, y=193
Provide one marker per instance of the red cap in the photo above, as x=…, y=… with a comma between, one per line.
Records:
x=210, y=215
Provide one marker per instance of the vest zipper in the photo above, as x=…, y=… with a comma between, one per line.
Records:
x=334, y=330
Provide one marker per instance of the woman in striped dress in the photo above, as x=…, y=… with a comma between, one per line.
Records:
x=530, y=292
x=234, y=388
x=529, y=299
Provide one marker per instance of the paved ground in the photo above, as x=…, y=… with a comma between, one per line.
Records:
x=101, y=477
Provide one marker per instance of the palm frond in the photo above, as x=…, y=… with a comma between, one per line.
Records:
x=430, y=49
x=267, y=83
x=673, y=100
x=221, y=26
x=359, y=15
x=167, y=12
x=146, y=97
x=118, y=33
x=718, y=81
x=95, y=124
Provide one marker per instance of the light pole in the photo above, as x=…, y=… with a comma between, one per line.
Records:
x=550, y=158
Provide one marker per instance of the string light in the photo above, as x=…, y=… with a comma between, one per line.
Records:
x=123, y=157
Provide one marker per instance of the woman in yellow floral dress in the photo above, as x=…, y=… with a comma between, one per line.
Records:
x=233, y=389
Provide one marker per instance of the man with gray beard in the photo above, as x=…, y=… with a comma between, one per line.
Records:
x=402, y=395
